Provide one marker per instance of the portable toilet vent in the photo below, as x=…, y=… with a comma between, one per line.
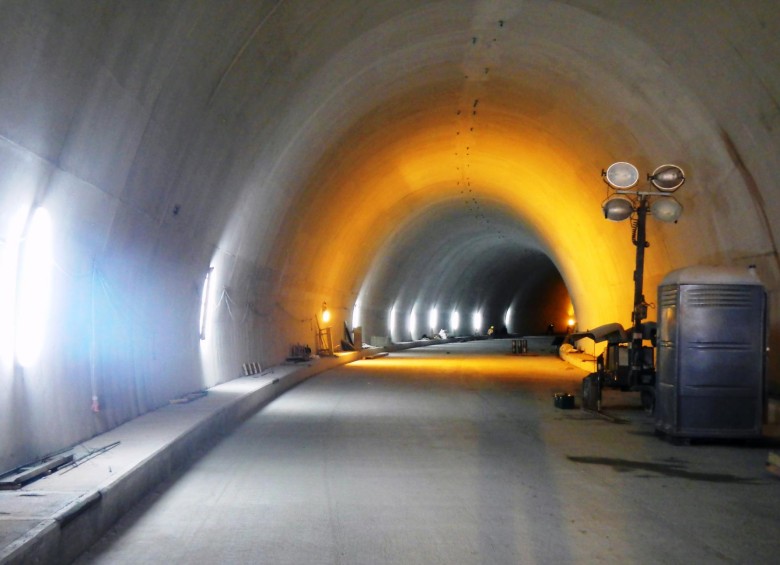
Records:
x=711, y=354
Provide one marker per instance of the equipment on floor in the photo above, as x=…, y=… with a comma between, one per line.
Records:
x=708, y=378
x=563, y=400
x=711, y=354
x=614, y=368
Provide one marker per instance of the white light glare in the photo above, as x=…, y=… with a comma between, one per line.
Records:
x=34, y=288
x=391, y=321
x=507, y=317
x=476, y=320
x=9, y=261
x=413, y=322
x=454, y=321
x=204, y=303
x=356, y=315
x=433, y=319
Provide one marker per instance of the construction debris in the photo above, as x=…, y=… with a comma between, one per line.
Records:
x=91, y=453
x=377, y=355
x=189, y=397
x=25, y=475
x=299, y=353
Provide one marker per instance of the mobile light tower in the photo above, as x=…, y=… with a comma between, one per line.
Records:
x=624, y=202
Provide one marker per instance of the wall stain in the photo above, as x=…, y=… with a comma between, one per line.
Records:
x=674, y=468
x=752, y=187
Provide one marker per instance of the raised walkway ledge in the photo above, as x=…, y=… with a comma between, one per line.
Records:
x=59, y=516
x=56, y=518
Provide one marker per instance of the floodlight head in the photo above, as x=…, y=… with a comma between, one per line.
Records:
x=621, y=175
x=666, y=209
x=617, y=208
x=667, y=178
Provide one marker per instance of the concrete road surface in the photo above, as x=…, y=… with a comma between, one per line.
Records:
x=454, y=454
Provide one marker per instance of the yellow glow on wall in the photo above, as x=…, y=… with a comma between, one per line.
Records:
x=550, y=184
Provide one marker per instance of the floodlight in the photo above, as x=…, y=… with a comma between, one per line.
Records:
x=617, y=208
x=621, y=175
x=666, y=209
x=667, y=178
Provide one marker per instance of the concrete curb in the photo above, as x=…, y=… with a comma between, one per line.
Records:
x=74, y=528
x=83, y=521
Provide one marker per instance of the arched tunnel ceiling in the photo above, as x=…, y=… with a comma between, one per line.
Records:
x=276, y=135
x=455, y=240
x=527, y=117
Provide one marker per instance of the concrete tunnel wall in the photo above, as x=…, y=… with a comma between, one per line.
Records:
x=306, y=150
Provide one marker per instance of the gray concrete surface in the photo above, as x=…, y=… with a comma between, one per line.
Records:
x=55, y=518
x=454, y=454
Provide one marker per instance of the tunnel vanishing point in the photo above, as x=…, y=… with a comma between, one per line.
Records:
x=398, y=161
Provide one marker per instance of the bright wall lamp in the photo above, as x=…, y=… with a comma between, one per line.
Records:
x=34, y=287
x=204, y=303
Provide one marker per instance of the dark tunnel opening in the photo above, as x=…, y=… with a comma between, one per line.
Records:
x=449, y=270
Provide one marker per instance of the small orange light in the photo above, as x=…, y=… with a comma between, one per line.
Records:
x=325, y=313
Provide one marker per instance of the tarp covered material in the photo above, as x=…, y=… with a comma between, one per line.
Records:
x=612, y=333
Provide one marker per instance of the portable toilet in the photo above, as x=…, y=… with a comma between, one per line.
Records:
x=711, y=355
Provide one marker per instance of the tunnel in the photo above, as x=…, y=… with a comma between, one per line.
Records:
x=185, y=187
